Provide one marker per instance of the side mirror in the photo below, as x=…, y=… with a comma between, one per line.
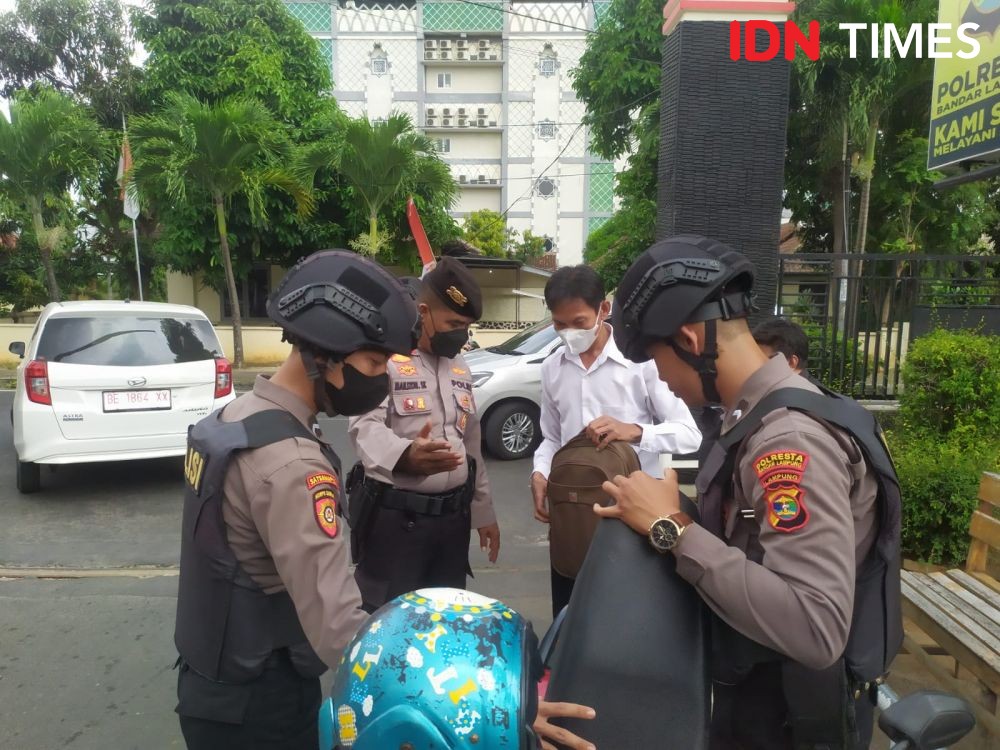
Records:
x=17, y=347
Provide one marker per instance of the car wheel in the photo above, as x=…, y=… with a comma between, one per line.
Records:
x=512, y=431
x=29, y=477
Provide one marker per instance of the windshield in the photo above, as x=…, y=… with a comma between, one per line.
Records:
x=529, y=341
x=127, y=340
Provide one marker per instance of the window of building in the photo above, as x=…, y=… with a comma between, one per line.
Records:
x=253, y=288
x=547, y=64
x=443, y=145
x=546, y=130
x=379, y=61
x=444, y=80
x=545, y=187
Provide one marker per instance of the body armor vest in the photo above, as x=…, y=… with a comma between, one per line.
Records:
x=817, y=700
x=226, y=625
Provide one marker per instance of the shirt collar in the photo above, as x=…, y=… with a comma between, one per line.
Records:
x=766, y=379
x=284, y=399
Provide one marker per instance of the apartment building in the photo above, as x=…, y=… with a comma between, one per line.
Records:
x=490, y=83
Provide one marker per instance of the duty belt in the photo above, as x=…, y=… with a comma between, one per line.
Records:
x=425, y=505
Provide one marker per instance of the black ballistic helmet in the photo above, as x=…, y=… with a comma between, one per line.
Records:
x=336, y=302
x=683, y=279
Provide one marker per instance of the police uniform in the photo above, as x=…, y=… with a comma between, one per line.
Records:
x=279, y=509
x=418, y=532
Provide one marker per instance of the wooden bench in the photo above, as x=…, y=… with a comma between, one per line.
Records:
x=960, y=610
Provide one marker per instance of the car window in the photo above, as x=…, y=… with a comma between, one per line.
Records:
x=127, y=340
x=531, y=340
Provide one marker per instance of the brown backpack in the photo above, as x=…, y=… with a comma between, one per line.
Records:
x=575, y=479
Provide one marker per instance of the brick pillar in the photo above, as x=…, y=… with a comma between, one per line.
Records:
x=722, y=134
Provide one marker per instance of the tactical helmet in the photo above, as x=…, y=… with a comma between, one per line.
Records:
x=337, y=302
x=436, y=669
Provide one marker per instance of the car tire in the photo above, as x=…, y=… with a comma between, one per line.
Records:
x=512, y=430
x=29, y=477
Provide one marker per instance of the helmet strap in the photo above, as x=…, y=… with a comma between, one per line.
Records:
x=316, y=370
x=704, y=363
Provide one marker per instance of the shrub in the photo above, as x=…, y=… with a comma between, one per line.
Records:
x=951, y=385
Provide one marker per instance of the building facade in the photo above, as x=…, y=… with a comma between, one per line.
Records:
x=490, y=83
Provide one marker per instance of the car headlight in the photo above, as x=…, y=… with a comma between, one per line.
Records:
x=478, y=378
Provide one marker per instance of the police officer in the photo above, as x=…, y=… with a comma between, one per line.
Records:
x=425, y=480
x=266, y=600
x=797, y=547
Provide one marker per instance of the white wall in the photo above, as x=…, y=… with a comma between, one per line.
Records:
x=470, y=144
x=476, y=199
x=465, y=79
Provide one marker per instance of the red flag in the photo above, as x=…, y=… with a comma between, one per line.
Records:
x=419, y=235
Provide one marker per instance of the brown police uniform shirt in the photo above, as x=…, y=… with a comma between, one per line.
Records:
x=280, y=512
x=425, y=387
x=813, y=501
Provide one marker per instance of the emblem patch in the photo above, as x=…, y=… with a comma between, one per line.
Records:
x=315, y=480
x=466, y=401
x=409, y=404
x=325, y=507
x=463, y=421
x=407, y=371
x=399, y=358
x=456, y=296
x=459, y=371
x=421, y=404
x=780, y=474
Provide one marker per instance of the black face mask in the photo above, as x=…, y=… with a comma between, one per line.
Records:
x=449, y=344
x=360, y=394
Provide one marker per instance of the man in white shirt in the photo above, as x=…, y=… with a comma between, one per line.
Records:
x=588, y=383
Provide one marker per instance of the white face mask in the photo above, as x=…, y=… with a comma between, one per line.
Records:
x=579, y=340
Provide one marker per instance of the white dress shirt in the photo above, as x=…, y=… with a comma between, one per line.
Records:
x=573, y=396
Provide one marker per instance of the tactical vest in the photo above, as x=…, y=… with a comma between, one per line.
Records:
x=226, y=625
x=816, y=698
x=575, y=483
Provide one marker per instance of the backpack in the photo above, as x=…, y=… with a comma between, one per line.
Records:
x=575, y=479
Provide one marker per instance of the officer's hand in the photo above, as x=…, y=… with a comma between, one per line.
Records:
x=604, y=430
x=489, y=540
x=425, y=456
x=547, y=731
x=539, y=490
x=640, y=499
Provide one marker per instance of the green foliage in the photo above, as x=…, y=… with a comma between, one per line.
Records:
x=530, y=248
x=612, y=248
x=488, y=231
x=951, y=385
x=948, y=433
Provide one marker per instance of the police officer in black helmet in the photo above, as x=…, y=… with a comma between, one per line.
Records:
x=266, y=599
x=797, y=547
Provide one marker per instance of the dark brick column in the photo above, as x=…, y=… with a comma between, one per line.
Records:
x=722, y=141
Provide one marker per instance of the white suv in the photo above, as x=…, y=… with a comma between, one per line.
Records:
x=111, y=381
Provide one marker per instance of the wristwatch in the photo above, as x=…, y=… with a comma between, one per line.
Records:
x=665, y=532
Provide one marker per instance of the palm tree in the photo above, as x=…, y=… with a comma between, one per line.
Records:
x=382, y=160
x=205, y=154
x=49, y=144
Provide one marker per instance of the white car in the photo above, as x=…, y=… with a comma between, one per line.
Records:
x=113, y=381
x=507, y=383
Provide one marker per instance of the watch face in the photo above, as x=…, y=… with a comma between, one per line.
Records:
x=663, y=535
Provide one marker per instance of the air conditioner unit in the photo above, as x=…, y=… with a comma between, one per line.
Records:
x=481, y=122
x=446, y=112
x=462, y=179
x=482, y=179
x=481, y=111
x=461, y=111
x=461, y=55
x=494, y=181
x=431, y=44
x=430, y=111
x=444, y=44
x=446, y=122
x=493, y=123
x=445, y=54
x=493, y=57
x=463, y=122
x=461, y=44
x=430, y=55
x=484, y=44
x=431, y=122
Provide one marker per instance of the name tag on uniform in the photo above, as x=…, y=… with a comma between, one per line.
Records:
x=410, y=385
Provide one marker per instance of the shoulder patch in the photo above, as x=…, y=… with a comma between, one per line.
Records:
x=407, y=371
x=399, y=358
x=780, y=474
x=325, y=508
x=315, y=480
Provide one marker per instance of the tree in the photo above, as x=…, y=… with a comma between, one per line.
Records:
x=612, y=248
x=488, y=231
x=203, y=156
x=530, y=248
x=380, y=162
x=48, y=144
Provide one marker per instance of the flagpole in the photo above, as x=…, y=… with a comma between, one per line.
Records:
x=135, y=229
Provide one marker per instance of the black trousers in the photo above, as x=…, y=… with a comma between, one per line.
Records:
x=562, y=590
x=752, y=715
x=405, y=551
x=277, y=711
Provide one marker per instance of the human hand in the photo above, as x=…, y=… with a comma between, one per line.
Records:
x=427, y=457
x=489, y=540
x=539, y=488
x=547, y=731
x=640, y=499
x=604, y=430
